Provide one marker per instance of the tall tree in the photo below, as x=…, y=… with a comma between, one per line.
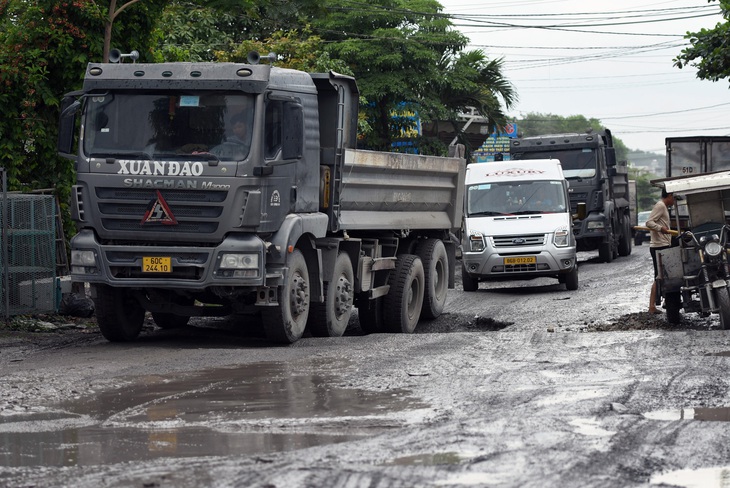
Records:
x=394, y=48
x=44, y=48
x=709, y=49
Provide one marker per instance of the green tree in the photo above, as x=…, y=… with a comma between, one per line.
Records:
x=44, y=48
x=394, y=48
x=709, y=49
x=470, y=81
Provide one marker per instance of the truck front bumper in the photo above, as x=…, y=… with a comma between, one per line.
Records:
x=238, y=261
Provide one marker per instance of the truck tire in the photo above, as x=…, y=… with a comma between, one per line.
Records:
x=371, y=316
x=467, y=282
x=606, y=251
x=723, y=303
x=402, y=305
x=673, y=304
x=624, y=244
x=286, y=323
x=571, y=279
x=118, y=314
x=436, y=271
x=330, y=319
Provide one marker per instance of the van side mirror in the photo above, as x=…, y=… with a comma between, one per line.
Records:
x=582, y=211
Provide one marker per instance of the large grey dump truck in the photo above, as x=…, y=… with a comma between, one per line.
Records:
x=210, y=189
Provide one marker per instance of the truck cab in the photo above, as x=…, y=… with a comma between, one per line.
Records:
x=517, y=224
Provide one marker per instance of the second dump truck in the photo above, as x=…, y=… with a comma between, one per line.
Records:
x=217, y=189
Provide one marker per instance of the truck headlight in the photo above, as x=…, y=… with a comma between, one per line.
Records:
x=561, y=237
x=239, y=265
x=476, y=242
x=596, y=224
x=83, y=262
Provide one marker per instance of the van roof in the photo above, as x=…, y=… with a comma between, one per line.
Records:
x=524, y=169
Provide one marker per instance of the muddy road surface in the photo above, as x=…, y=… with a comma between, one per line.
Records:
x=518, y=384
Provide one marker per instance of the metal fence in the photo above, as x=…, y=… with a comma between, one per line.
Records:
x=28, y=250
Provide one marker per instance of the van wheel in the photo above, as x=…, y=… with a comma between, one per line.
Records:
x=330, y=319
x=467, y=282
x=118, y=313
x=571, y=279
x=436, y=271
x=286, y=323
x=402, y=305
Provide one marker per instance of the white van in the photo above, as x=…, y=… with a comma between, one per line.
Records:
x=517, y=223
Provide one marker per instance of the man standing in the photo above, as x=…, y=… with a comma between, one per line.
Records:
x=658, y=224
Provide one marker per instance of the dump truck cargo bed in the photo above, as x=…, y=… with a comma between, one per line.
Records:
x=400, y=191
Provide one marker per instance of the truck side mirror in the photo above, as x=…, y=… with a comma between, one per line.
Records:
x=67, y=126
x=610, y=157
x=293, y=131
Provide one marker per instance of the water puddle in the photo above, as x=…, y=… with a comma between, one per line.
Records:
x=717, y=477
x=427, y=459
x=717, y=414
x=261, y=408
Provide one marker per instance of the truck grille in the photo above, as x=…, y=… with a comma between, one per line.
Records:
x=196, y=212
x=519, y=241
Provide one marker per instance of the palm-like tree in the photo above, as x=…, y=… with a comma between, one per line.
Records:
x=470, y=81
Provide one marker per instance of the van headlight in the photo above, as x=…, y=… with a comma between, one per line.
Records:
x=561, y=237
x=476, y=242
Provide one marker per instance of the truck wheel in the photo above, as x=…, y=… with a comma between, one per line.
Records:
x=672, y=304
x=723, y=302
x=571, y=279
x=330, y=319
x=436, y=271
x=286, y=323
x=371, y=316
x=118, y=314
x=402, y=305
x=624, y=245
x=605, y=252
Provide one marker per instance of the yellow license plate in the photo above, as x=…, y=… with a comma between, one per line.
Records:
x=520, y=260
x=156, y=264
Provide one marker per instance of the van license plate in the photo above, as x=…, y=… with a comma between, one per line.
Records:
x=520, y=260
x=156, y=264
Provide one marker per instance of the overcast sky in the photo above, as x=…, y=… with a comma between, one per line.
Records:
x=607, y=60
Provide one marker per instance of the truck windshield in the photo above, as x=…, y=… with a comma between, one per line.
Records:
x=170, y=124
x=515, y=198
x=576, y=163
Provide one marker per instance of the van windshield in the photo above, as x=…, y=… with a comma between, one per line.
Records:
x=515, y=198
x=156, y=125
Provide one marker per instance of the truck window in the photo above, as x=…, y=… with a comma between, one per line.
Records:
x=273, y=128
x=165, y=124
x=577, y=163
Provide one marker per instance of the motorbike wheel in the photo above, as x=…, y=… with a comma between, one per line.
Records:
x=672, y=304
x=722, y=298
